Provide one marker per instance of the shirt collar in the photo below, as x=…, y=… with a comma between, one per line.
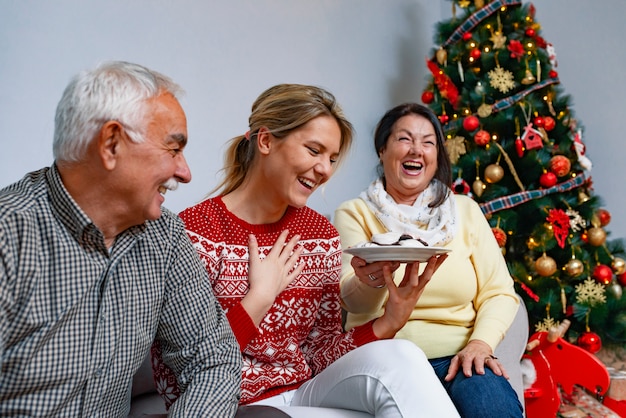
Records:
x=73, y=218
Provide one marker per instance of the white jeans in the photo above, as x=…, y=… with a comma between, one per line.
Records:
x=387, y=378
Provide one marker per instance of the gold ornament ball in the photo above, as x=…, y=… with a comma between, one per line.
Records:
x=494, y=173
x=574, y=267
x=545, y=266
x=618, y=265
x=596, y=236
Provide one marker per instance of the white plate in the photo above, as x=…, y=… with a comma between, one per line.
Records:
x=396, y=253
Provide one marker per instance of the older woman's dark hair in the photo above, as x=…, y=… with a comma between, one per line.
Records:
x=444, y=167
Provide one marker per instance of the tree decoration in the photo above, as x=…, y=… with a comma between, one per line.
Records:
x=547, y=179
x=576, y=222
x=529, y=78
x=482, y=138
x=501, y=79
x=621, y=279
x=618, y=265
x=596, y=236
x=560, y=225
x=455, y=148
x=516, y=49
x=442, y=56
x=545, y=265
x=446, y=87
x=546, y=324
x=604, y=216
x=548, y=123
x=500, y=236
x=460, y=186
x=428, y=97
x=532, y=138
x=603, y=274
x=590, y=293
x=484, y=110
x=579, y=147
x=615, y=290
x=494, y=173
x=544, y=206
x=560, y=165
x=590, y=341
x=471, y=123
x=574, y=267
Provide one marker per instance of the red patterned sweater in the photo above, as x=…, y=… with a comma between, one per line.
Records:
x=301, y=334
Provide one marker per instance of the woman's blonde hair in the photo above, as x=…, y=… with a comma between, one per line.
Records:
x=281, y=109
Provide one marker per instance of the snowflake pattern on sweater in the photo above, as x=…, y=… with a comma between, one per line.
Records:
x=301, y=334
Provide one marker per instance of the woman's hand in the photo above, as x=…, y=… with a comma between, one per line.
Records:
x=476, y=355
x=402, y=298
x=372, y=274
x=271, y=275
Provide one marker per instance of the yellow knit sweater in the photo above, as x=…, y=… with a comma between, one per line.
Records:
x=471, y=296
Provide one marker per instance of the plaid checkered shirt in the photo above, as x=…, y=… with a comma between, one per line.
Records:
x=77, y=320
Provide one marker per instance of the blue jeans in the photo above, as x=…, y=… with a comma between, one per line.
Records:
x=475, y=396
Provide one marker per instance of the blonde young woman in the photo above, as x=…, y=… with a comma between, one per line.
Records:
x=274, y=265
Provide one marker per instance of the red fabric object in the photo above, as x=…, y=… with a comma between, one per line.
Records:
x=560, y=225
x=446, y=87
x=618, y=406
x=554, y=365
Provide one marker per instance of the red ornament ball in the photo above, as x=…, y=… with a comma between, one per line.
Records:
x=589, y=341
x=428, y=97
x=471, y=123
x=548, y=123
x=560, y=165
x=603, y=274
x=444, y=119
x=519, y=147
x=547, y=179
x=553, y=74
x=621, y=278
x=604, y=216
x=500, y=236
x=538, y=121
x=475, y=53
x=482, y=137
x=467, y=36
x=530, y=32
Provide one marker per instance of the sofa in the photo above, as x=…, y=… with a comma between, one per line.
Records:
x=147, y=403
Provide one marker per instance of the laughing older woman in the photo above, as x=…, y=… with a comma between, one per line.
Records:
x=470, y=302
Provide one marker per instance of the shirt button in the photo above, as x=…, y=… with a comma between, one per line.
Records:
x=98, y=373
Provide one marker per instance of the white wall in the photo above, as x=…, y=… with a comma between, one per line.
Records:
x=369, y=53
x=591, y=54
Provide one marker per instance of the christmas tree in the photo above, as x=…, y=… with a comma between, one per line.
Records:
x=517, y=149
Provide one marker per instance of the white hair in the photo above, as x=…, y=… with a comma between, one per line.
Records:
x=114, y=90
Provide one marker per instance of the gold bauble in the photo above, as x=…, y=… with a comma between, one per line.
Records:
x=478, y=187
x=545, y=266
x=596, y=236
x=494, y=173
x=574, y=267
x=618, y=265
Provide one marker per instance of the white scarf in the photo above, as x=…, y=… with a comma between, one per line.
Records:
x=436, y=226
